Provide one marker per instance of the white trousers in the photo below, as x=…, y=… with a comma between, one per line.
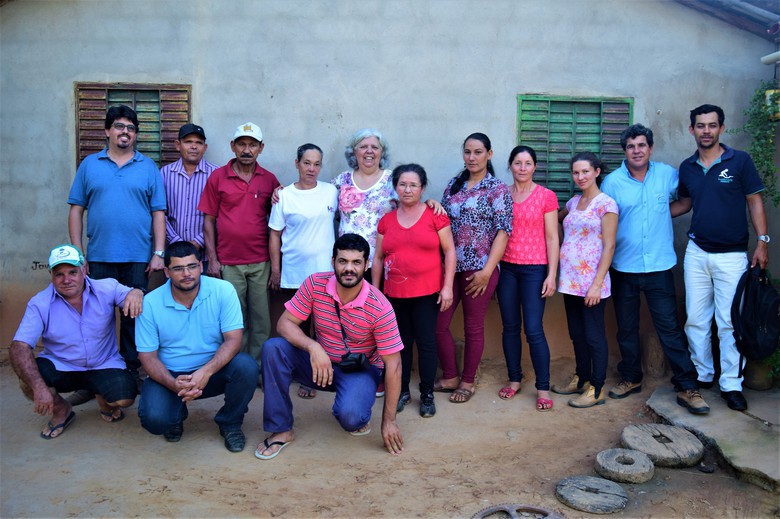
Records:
x=710, y=284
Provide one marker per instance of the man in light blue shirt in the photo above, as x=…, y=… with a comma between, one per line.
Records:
x=643, y=261
x=189, y=343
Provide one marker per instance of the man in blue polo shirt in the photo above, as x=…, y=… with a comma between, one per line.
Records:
x=122, y=192
x=188, y=343
x=717, y=181
x=643, y=261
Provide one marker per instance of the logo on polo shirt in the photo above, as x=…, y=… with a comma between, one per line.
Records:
x=724, y=177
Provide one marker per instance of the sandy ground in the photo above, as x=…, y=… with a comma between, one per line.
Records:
x=464, y=459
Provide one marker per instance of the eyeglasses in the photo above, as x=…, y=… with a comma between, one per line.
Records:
x=121, y=126
x=410, y=187
x=192, y=267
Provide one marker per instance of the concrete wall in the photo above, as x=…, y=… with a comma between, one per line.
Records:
x=426, y=73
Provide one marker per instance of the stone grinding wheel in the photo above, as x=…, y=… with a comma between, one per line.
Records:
x=665, y=445
x=624, y=465
x=591, y=494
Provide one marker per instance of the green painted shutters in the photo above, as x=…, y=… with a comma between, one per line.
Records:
x=161, y=110
x=557, y=127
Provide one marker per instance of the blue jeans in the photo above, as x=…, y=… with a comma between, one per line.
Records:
x=586, y=329
x=662, y=303
x=131, y=275
x=416, y=318
x=283, y=363
x=520, y=299
x=160, y=409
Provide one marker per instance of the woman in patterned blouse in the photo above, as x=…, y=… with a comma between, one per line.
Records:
x=480, y=210
x=589, y=228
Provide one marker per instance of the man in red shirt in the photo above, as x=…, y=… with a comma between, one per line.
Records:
x=236, y=202
x=354, y=324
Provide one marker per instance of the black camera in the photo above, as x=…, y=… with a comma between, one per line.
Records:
x=353, y=362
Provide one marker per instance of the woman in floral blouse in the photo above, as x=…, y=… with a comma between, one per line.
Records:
x=589, y=229
x=480, y=210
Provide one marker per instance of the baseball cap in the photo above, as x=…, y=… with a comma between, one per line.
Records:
x=65, y=253
x=189, y=129
x=249, y=130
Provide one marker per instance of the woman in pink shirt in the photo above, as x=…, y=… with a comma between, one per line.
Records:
x=589, y=229
x=409, y=244
x=527, y=277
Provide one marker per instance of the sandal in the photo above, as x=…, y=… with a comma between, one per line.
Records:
x=109, y=416
x=439, y=388
x=461, y=395
x=508, y=392
x=544, y=404
x=306, y=392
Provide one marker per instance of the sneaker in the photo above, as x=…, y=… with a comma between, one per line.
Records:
x=573, y=386
x=234, y=440
x=404, y=399
x=588, y=398
x=174, y=434
x=427, y=407
x=82, y=396
x=380, y=390
x=692, y=400
x=625, y=388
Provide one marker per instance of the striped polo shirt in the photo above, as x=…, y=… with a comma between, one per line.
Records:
x=368, y=320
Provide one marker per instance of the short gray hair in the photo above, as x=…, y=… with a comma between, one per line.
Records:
x=349, y=150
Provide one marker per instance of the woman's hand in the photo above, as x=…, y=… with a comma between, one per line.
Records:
x=436, y=206
x=593, y=295
x=548, y=287
x=479, y=282
x=445, y=298
x=275, y=194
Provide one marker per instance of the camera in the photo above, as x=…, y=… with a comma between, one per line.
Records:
x=353, y=362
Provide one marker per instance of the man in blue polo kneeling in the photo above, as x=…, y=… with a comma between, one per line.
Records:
x=189, y=343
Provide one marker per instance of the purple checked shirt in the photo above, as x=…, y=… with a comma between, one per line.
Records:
x=73, y=341
x=183, y=221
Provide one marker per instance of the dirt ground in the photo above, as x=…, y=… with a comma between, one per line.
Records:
x=466, y=458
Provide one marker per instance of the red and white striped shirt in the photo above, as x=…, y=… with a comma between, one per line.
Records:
x=368, y=320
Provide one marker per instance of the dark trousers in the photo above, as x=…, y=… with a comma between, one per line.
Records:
x=662, y=303
x=520, y=299
x=131, y=275
x=160, y=409
x=416, y=318
x=586, y=329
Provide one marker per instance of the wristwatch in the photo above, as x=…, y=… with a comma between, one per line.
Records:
x=764, y=238
x=160, y=253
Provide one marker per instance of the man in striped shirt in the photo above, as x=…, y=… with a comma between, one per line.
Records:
x=351, y=317
x=184, y=181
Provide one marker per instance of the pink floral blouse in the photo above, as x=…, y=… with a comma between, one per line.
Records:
x=581, y=249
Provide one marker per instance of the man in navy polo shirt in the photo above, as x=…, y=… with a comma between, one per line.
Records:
x=717, y=181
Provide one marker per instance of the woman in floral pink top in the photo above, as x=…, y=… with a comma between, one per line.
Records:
x=589, y=229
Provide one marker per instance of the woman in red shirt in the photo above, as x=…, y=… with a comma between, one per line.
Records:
x=409, y=244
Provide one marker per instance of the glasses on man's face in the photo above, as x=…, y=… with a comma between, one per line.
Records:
x=121, y=126
x=192, y=267
x=410, y=187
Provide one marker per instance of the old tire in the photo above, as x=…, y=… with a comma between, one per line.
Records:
x=624, y=465
x=591, y=494
x=516, y=511
x=665, y=445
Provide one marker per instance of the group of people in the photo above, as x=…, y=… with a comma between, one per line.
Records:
x=356, y=304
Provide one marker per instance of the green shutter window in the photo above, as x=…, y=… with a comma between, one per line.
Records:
x=161, y=110
x=557, y=127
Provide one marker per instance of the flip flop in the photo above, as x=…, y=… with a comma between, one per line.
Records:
x=260, y=456
x=306, y=392
x=64, y=425
x=542, y=405
x=462, y=392
x=362, y=431
x=111, y=417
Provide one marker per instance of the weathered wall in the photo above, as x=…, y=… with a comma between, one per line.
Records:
x=426, y=73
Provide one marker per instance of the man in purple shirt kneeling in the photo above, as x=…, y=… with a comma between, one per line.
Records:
x=74, y=316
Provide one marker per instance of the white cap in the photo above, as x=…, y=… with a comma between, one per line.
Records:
x=249, y=130
x=65, y=253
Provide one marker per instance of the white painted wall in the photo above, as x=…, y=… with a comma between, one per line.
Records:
x=425, y=72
